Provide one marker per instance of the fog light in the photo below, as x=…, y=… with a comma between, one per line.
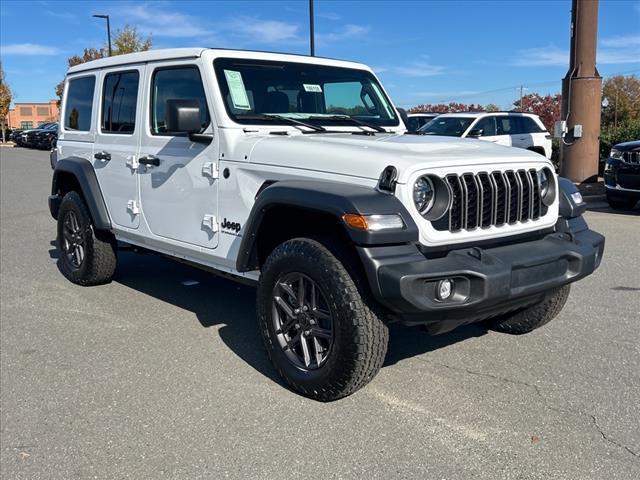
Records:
x=444, y=289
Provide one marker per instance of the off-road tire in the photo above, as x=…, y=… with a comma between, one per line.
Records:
x=620, y=204
x=100, y=247
x=360, y=336
x=530, y=318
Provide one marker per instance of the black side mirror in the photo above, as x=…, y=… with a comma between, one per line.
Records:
x=404, y=116
x=475, y=133
x=183, y=116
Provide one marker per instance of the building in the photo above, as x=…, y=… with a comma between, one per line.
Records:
x=32, y=115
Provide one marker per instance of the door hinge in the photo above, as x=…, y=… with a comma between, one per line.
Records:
x=132, y=162
x=132, y=207
x=210, y=222
x=210, y=169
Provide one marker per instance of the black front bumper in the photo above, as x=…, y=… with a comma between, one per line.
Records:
x=487, y=281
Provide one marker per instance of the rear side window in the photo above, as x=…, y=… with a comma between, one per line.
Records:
x=180, y=83
x=119, y=100
x=79, y=104
x=529, y=125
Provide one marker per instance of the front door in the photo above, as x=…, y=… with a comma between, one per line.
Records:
x=117, y=142
x=178, y=185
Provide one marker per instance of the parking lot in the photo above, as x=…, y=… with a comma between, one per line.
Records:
x=162, y=374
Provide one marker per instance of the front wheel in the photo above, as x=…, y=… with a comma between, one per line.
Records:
x=618, y=203
x=87, y=255
x=321, y=334
x=535, y=316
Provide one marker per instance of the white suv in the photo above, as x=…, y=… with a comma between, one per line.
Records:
x=295, y=174
x=511, y=129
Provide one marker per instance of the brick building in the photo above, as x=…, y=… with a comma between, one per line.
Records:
x=32, y=115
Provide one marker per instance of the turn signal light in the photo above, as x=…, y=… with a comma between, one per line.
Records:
x=373, y=223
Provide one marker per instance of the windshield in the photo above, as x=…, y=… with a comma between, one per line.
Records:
x=317, y=94
x=447, y=126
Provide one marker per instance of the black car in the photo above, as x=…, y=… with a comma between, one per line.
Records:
x=45, y=139
x=622, y=175
x=30, y=138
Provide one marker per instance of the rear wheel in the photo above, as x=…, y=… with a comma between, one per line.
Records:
x=320, y=333
x=87, y=256
x=530, y=318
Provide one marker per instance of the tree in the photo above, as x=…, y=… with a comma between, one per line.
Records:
x=546, y=107
x=5, y=102
x=451, y=107
x=621, y=95
x=492, y=107
x=127, y=40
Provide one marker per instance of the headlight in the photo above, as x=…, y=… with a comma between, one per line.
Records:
x=547, y=186
x=423, y=194
x=544, y=182
x=615, y=153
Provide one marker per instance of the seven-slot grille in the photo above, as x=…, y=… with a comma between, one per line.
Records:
x=485, y=199
x=631, y=157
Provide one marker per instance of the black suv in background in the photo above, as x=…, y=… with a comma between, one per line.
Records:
x=622, y=175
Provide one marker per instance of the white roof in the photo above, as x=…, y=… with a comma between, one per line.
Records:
x=480, y=114
x=180, y=53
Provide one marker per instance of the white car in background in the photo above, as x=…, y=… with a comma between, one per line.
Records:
x=512, y=129
x=418, y=120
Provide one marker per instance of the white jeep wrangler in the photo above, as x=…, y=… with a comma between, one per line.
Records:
x=295, y=173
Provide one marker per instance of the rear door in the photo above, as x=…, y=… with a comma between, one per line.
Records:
x=118, y=141
x=178, y=183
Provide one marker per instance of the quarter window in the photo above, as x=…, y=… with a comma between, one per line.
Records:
x=181, y=83
x=79, y=104
x=119, y=100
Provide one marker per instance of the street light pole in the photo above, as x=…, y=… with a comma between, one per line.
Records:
x=311, y=30
x=108, y=30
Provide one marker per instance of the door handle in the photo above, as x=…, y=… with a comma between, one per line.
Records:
x=150, y=160
x=104, y=156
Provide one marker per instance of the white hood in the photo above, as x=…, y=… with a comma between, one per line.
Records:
x=366, y=156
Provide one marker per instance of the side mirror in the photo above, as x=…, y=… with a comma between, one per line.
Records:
x=404, y=116
x=183, y=116
x=475, y=133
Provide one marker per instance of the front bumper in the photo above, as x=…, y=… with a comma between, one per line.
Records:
x=488, y=281
x=622, y=178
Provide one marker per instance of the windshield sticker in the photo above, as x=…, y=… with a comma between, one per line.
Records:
x=236, y=89
x=312, y=88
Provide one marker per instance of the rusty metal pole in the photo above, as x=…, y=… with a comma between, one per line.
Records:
x=581, y=96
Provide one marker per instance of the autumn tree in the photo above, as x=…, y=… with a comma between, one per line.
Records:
x=126, y=40
x=621, y=95
x=547, y=107
x=451, y=107
x=5, y=102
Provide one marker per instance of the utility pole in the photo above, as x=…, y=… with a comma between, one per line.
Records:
x=108, y=30
x=581, y=97
x=312, y=42
x=521, y=90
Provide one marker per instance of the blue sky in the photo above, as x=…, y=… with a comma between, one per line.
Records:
x=424, y=52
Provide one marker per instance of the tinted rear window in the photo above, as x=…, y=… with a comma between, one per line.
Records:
x=79, y=104
x=119, y=99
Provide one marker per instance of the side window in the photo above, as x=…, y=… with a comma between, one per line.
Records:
x=488, y=126
x=529, y=125
x=79, y=104
x=505, y=125
x=176, y=83
x=119, y=100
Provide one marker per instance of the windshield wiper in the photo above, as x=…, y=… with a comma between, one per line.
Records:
x=289, y=120
x=355, y=121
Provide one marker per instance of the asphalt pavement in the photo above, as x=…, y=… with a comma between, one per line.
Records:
x=162, y=374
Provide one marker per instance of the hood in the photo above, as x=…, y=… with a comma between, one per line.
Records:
x=627, y=146
x=367, y=156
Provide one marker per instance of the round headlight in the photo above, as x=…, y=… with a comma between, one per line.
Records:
x=423, y=194
x=544, y=182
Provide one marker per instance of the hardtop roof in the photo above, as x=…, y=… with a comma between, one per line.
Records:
x=196, y=52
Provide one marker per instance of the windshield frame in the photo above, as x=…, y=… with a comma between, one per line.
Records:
x=329, y=120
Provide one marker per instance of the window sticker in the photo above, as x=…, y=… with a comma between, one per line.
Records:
x=237, y=90
x=312, y=88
